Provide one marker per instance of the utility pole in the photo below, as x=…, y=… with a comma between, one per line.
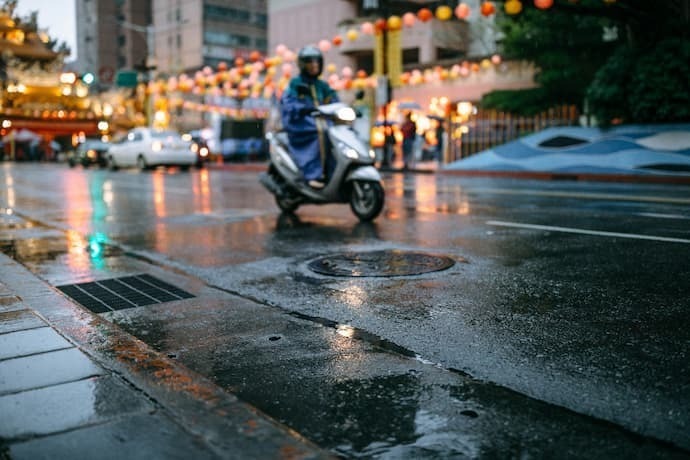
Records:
x=383, y=94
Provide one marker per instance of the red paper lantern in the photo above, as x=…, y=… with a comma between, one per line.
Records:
x=425, y=14
x=337, y=40
x=543, y=4
x=487, y=8
x=380, y=25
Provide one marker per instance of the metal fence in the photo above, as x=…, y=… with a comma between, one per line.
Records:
x=487, y=128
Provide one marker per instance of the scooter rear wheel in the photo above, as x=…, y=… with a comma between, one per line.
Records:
x=366, y=199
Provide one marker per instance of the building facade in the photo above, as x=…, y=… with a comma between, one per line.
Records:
x=426, y=45
x=111, y=37
x=191, y=34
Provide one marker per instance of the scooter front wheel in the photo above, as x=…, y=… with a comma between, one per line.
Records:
x=287, y=204
x=366, y=200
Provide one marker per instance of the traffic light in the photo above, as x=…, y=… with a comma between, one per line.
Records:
x=88, y=78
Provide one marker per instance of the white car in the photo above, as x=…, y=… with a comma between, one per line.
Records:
x=147, y=148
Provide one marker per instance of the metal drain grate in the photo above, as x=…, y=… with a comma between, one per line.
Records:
x=120, y=293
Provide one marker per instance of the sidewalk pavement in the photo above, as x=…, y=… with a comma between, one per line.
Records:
x=74, y=386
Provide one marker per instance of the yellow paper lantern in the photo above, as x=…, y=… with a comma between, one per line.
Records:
x=352, y=35
x=394, y=23
x=513, y=7
x=444, y=13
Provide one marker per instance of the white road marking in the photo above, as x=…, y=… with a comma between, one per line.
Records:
x=662, y=216
x=583, y=231
x=583, y=195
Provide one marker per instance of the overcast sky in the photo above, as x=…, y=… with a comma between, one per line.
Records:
x=57, y=16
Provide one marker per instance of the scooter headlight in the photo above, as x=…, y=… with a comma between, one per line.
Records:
x=348, y=151
x=351, y=153
x=346, y=114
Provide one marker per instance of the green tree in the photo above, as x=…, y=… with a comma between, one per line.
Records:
x=623, y=60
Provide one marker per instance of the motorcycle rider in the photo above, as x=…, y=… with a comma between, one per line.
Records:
x=305, y=92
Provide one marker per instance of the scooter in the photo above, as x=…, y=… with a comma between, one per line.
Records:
x=354, y=178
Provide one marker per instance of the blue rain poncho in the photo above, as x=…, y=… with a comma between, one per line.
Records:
x=301, y=127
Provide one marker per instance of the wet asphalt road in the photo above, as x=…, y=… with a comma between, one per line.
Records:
x=562, y=329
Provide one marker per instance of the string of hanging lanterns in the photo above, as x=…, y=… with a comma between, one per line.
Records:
x=265, y=77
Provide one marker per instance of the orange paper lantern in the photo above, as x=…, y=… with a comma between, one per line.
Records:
x=337, y=40
x=487, y=8
x=424, y=14
x=254, y=56
x=462, y=11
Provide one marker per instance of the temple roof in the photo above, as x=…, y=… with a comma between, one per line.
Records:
x=22, y=42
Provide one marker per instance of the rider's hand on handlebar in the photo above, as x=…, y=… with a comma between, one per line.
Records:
x=307, y=110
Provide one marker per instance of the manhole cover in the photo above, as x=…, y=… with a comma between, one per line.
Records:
x=380, y=263
x=120, y=293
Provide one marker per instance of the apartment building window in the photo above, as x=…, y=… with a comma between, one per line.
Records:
x=226, y=39
x=221, y=13
x=261, y=43
x=261, y=20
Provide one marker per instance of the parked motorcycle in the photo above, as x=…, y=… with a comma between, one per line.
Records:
x=354, y=179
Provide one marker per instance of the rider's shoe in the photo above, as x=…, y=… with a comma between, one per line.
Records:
x=316, y=184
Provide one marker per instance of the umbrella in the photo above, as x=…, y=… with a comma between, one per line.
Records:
x=409, y=105
x=23, y=135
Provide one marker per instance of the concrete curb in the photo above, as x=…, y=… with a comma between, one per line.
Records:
x=583, y=177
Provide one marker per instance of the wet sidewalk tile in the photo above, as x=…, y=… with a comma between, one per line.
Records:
x=138, y=437
x=45, y=369
x=67, y=406
x=19, y=320
x=32, y=341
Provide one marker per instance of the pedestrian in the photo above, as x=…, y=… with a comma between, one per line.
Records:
x=409, y=133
